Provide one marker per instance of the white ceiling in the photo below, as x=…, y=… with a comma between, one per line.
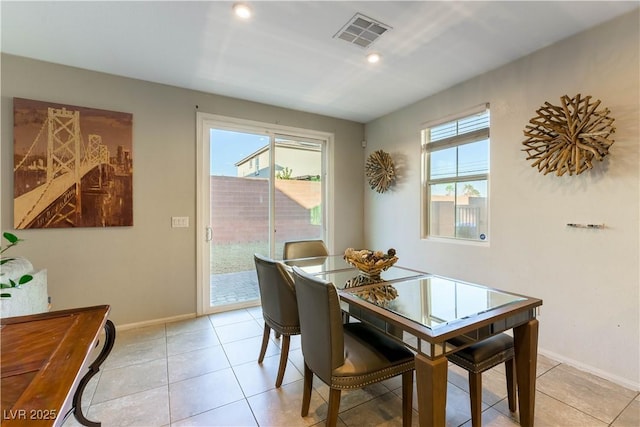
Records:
x=285, y=55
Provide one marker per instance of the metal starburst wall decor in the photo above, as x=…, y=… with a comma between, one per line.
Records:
x=568, y=137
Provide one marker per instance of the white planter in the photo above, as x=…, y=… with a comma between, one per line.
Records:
x=30, y=298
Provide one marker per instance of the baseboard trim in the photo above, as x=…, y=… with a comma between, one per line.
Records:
x=624, y=382
x=155, y=321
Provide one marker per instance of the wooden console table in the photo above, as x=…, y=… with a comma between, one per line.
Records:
x=45, y=362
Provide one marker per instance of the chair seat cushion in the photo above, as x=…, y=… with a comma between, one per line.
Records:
x=292, y=328
x=370, y=356
x=485, y=354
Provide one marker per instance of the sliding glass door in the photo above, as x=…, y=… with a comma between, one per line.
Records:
x=297, y=185
x=239, y=215
x=258, y=189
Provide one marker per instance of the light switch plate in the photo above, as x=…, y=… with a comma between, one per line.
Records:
x=179, y=221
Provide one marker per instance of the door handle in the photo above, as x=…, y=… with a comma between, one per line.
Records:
x=209, y=234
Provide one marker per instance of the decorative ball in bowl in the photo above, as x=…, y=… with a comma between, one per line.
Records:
x=370, y=263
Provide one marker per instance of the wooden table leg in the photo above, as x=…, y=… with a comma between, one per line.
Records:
x=431, y=382
x=526, y=348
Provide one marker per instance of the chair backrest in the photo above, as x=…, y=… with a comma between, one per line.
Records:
x=277, y=294
x=320, y=324
x=304, y=249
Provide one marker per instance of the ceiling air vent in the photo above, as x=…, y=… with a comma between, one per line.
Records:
x=362, y=31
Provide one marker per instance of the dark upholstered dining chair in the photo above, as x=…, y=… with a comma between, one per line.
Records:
x=345, y=356
x=304, y=249
x=480, y=357
x=279, y=308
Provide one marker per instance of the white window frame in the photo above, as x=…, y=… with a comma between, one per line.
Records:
x=455, y=141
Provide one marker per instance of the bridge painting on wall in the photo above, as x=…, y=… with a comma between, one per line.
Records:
x=73, y=166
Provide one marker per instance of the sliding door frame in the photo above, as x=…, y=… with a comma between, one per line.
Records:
x=205, y=122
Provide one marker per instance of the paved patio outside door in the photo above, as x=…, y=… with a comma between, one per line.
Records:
x=232, y=288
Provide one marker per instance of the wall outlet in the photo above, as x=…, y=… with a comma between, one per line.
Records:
x=179, y=221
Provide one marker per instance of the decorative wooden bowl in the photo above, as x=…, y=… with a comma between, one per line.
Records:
x=370, y=263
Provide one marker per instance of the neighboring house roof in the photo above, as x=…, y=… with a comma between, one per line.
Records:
x=252, y=155
x=281, y=144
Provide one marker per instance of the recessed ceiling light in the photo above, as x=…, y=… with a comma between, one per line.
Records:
x=242, y=10
x=373, y=57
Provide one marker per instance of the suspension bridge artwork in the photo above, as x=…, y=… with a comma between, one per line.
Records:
x=73, y=166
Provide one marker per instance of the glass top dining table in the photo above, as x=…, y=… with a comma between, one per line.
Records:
x=436, y=316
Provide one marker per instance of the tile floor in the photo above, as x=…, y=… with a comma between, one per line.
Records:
x=204, y=372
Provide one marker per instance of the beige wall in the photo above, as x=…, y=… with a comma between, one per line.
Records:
x=588, y=279
x=148, y=271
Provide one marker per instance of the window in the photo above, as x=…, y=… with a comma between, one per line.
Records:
x=456, y=162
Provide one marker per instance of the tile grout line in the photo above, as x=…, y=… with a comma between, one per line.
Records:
x=624, y=409
x=166, y=355
x=246, y=400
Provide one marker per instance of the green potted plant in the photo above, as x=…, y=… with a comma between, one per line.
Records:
x=12, y=240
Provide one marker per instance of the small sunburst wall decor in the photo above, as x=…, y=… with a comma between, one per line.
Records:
x=568, y=137
x=380, y=171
